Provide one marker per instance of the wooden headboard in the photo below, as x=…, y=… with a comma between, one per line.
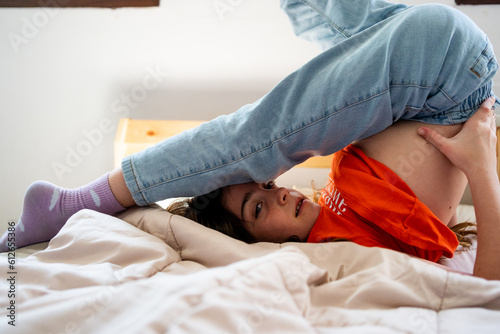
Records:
x=134, y=135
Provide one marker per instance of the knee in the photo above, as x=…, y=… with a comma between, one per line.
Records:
x=435, y=11
x=434, y=19
x=444, y=25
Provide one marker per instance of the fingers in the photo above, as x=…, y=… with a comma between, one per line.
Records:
x=432, y=137
x=487, y=113
x=486, y=109
x=493, y=122
x=483, y=118
x=493, y=115
x=488, y=103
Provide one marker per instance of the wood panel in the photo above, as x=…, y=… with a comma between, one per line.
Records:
x=135, y=135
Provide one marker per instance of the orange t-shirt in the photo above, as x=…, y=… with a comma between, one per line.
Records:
x=367, y=203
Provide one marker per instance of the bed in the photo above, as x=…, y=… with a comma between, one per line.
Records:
x=147, y=271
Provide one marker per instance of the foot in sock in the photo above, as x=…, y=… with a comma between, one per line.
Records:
x=47, y=207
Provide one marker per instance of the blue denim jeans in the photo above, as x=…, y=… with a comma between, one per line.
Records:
x=381, y=62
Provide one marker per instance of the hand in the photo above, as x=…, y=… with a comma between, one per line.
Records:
x=473, y=149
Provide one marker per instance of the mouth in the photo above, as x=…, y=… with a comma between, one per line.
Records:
x=297, y=208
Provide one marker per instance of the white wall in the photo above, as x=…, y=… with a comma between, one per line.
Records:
x=65, y=74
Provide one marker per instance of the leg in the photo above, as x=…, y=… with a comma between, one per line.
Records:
x=428, y=62
x=119, y=188
x=327, y=23
x=47, y=207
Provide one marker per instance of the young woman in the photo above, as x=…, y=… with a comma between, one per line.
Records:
x=381, y=63
x=373, y=198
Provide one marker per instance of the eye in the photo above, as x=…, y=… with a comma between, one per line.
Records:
x=269, y=185
x=257, y=209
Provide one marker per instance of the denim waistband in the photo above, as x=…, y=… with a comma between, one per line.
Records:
x=461, y=112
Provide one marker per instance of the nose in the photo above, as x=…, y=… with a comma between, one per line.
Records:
x=282, y=194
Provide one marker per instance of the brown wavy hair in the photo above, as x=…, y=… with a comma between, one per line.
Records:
x=208, y=210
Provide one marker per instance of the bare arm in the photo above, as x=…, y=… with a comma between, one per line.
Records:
x=473, y=150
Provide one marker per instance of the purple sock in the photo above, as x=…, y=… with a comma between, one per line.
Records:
x=47, y=208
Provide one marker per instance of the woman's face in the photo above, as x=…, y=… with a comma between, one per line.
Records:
x=271, y=213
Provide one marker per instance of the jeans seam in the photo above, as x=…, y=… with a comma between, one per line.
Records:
x=327, y=19
x=424, y=86
x=136, y=182
x=446, y=94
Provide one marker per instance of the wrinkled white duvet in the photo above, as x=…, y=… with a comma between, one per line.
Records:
x=146, y=271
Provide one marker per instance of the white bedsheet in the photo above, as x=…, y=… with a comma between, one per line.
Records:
x=101, y=274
